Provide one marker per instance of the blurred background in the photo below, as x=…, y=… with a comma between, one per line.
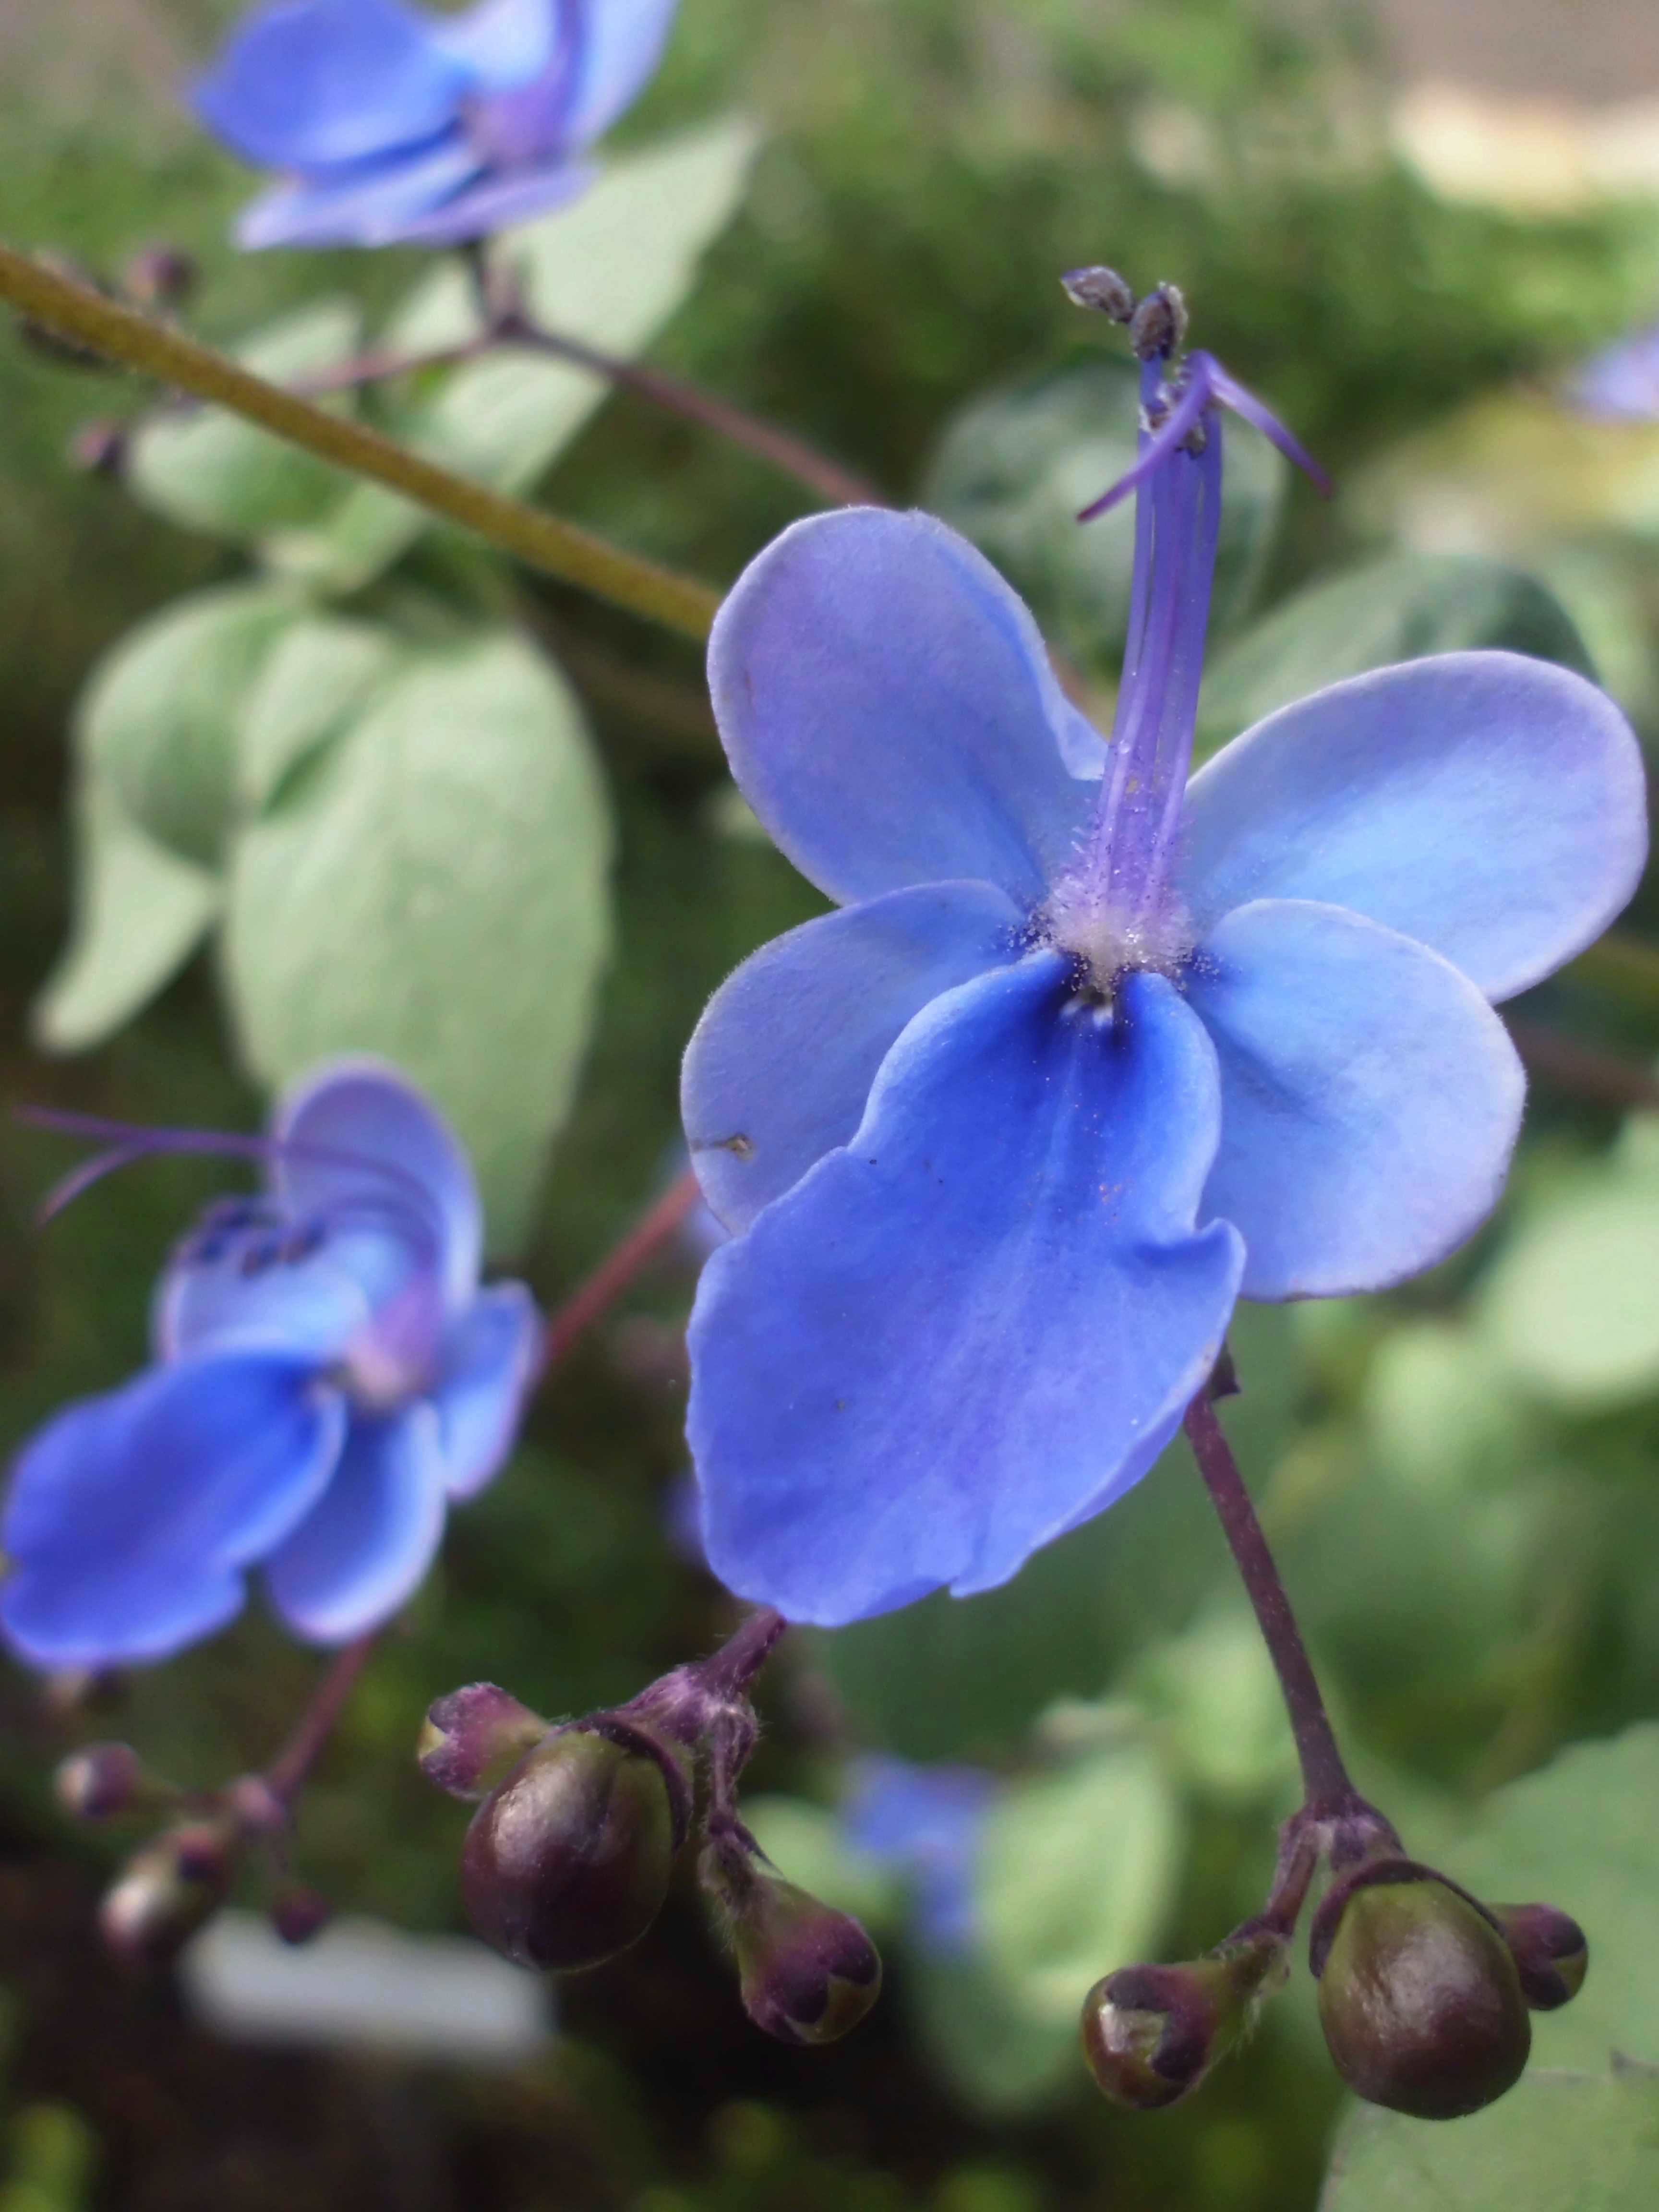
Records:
x=1406, y=227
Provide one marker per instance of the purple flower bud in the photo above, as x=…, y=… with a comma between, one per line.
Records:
x=1419, y=1994
x=100, y=1782
x=567, y=1861
x=806, y=1973
x=298, y=1913
x=474, y=1737
x=1552, y=1954
x=1152, y=2033
x=1158, y=325
x=159, y=276
x=99, y=449
x=168, y=1890
x=1100, y=288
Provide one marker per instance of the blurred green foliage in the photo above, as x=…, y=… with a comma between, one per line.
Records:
x=1460, y=1480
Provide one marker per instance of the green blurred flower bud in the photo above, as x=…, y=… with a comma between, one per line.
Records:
x=473, y=1738
x=806, y=1973
x=168, y=1890
x=1419, y=1994
x=567, y=1861
x=1152, y=2033
x=1552, y=1953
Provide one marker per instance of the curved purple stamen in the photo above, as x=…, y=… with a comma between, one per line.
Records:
x=1205, y=384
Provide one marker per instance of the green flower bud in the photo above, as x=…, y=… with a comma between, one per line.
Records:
x=1419, y=1993
x=473, y=1738
x=1552, y=1954
x=567, y=1861
x=1152, y=2033
x=168, y=1890
x=806, y=1973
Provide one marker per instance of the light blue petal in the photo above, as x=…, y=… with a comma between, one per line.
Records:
x=374, y=204
x=619, y=48
x=928, y=1822
x=490, y=1360
x=890, y=712
x=365, y=1548
x=131, y=1515
x=1493, y=806
x=1370, y=1098
x=309, y=84
x=980, y=1321
x=502, y=44
x=361, y=1143
x=231, y=1290
x=495, y=204
x=779, y=1068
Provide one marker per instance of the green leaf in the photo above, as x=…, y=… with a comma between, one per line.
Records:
x=213, y=471
x=1556, y=2141
x=805, y=1842
x=1077, y=1876
x=1015, y=466
x=140, y=912
x=608, y=271
x=1215, y=1696
x=1399, y=608
x=1581, y=1834
x=1571, y=1306
x=159, y=718
x=316, y=679
x=433, y=887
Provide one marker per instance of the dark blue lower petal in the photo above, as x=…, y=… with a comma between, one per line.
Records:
x=982, y=1319
x=131, y=1516
x=365, y=1548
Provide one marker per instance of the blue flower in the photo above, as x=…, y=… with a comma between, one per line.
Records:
x=1089, y=1051
x=328, y=1376
x=391, y=125
x=925, y=1823
x=1621, y=383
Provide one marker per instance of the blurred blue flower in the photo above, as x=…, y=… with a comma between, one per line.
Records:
x=1621, y=383
x=925, y=1823
x=392, y=125
x=1088, y=1051
x=328, y=1376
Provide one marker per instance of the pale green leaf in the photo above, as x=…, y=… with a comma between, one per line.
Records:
x=1571, y=1307
x=317, y=679
x=1582, y=1834
x=805, y=1843
x=432, y=887
x=213, y=472
x=140, y=912
x=608, y=271
x=1557, y=2142
x=159, y=718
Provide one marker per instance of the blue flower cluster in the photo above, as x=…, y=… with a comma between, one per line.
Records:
x=391, y=125
x=1088, y=1050
x=328, y=1377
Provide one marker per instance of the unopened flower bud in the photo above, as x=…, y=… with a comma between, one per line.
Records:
x=1100, y=288
x=159, y=276
x=1158, y=323
x=1552, y=1954
x=1152, y=2033
x=168, y=1890
x=1419, y=1994
x=806, y=1973
x=473, y=1738
x=100, y=1782
x=298, y=1913
x=567, y=1861
x=99, y=449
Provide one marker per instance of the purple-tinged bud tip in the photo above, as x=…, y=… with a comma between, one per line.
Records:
x=100, y=1782
x=159, y=276
x=298, y=1913
x=807, y=1974
x=568, y=1859
x=474, y=1737
x=1552, y=1953
x=1419, y=1994
x=168, y=1890
x=1158, y=327
x=99, y=449
x=1150, y=2034
x=1102, y=289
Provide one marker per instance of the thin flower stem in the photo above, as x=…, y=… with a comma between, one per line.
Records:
x=290, y=1770
x=543, y=541
x=594, y=1297
x=1324, y=1777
